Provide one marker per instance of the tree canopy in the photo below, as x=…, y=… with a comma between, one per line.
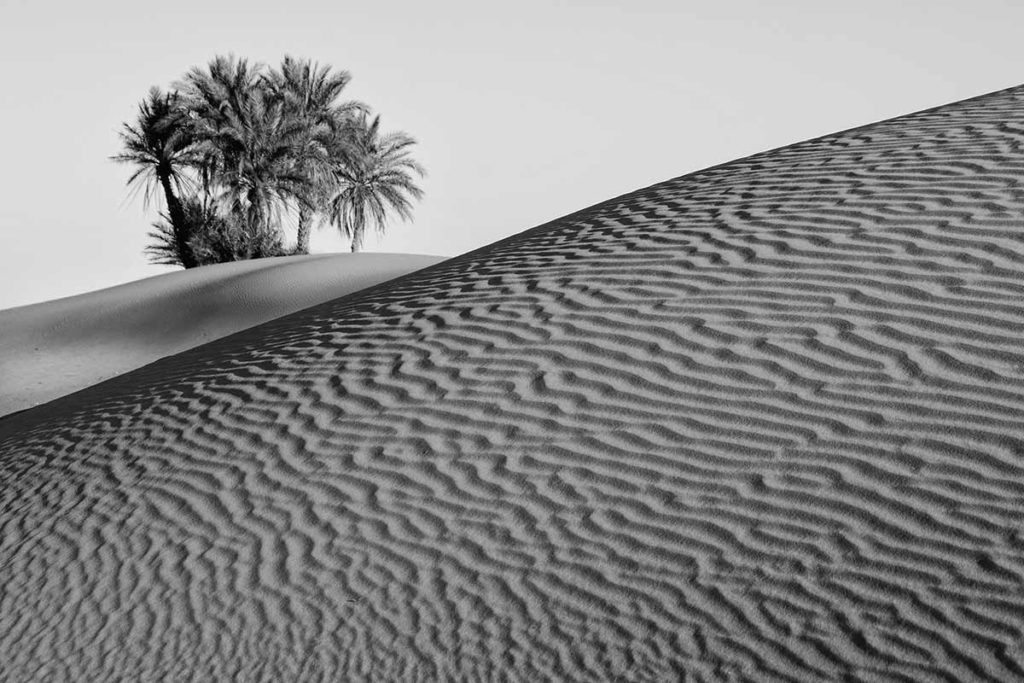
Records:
x=236, y=150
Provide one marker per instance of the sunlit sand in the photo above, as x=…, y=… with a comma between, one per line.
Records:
x=759, y=422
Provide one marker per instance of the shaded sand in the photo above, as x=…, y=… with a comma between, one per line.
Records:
x=57, y=347
x=761, y=422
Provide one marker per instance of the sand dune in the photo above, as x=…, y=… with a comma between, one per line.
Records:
x=760, y=422
x=57, y=347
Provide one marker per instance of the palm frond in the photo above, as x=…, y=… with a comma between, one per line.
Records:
x=379, y=179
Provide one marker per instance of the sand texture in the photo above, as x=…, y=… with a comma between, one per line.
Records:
x=761, y=422
x=57, y=347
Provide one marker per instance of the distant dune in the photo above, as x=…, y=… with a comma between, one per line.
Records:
x=761, y=422
x=57, y=347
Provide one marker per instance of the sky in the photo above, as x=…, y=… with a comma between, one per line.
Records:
x=523, y=111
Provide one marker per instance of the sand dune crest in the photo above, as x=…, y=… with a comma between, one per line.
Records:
x=57, y=347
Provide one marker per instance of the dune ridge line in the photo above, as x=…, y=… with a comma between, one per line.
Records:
x=55, y=348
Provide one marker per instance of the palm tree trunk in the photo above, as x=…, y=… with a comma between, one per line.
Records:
x=358, y=226
x=179, y=223
x=302, y=238
x=254, y=229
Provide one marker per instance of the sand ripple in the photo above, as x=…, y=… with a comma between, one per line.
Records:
x=761, y=422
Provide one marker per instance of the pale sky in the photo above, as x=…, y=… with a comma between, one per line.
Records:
x=524, y=111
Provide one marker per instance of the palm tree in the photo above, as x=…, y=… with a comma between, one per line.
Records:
x=376, y=180
x=160, y=146
x=310, y=93
x=250, y=144
x=235, y=149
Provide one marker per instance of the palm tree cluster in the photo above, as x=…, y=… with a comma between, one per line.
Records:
x=237, y=150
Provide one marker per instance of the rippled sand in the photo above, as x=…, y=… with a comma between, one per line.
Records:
x=761, y=422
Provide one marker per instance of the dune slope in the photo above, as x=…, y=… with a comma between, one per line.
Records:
x=57, y=347
x=761, y=422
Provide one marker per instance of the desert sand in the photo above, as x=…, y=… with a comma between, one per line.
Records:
x=759, y=422
x=57, y=347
